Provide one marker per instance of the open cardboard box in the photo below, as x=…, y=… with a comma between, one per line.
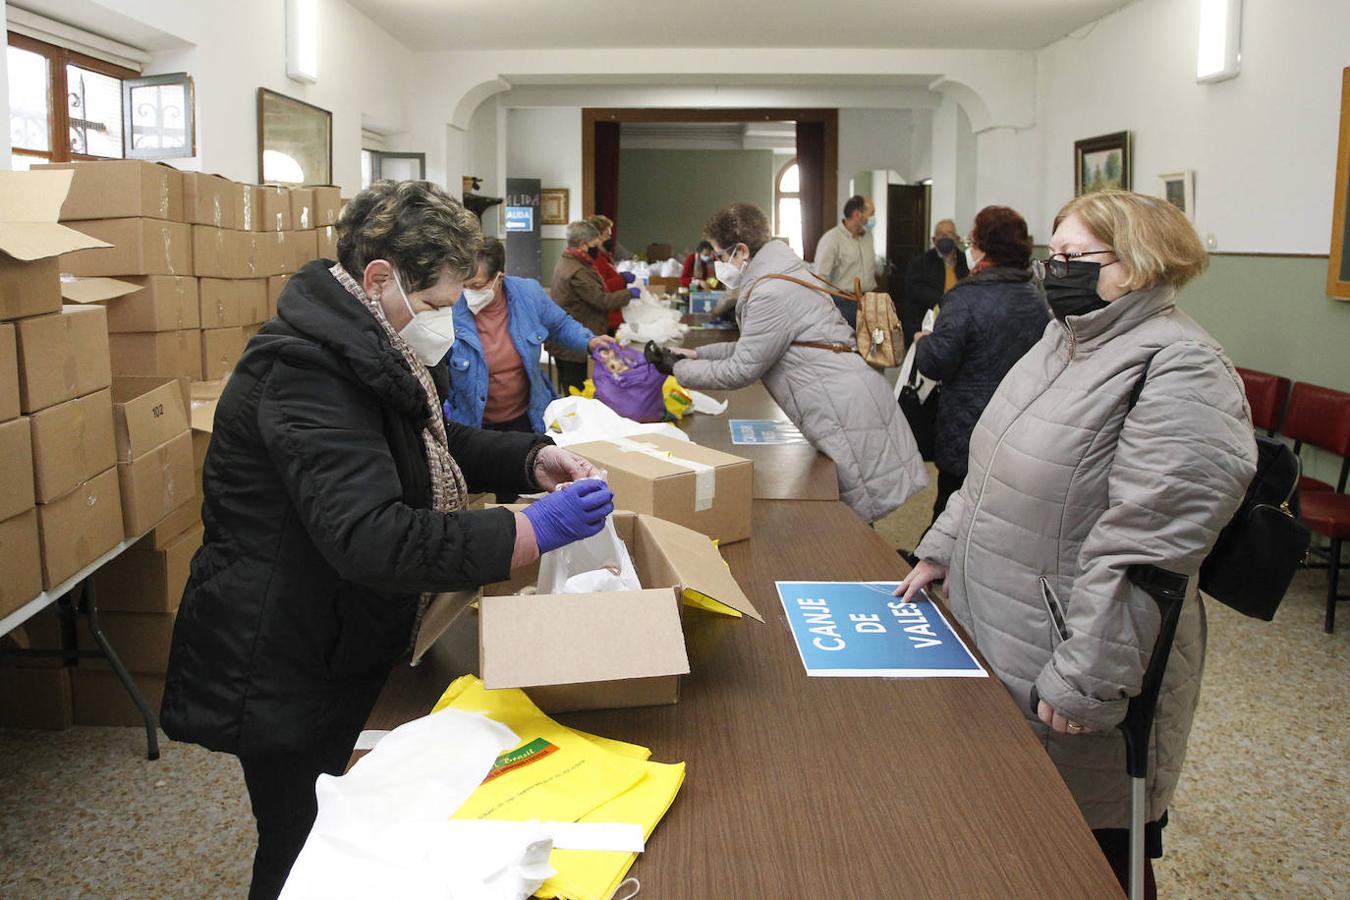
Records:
x=31, y=241
x=607, y=650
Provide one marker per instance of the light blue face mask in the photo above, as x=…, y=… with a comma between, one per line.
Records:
x=870, y=223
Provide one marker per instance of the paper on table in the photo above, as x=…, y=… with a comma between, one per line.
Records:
x=707, y=405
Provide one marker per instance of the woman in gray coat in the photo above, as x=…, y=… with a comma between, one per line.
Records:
x=1069, y=486
x=843, y=407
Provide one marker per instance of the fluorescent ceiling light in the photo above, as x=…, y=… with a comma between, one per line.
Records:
x=1220, y=50
x=302, y=40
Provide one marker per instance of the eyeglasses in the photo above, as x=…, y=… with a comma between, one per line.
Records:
x=726, y=255
x=1057, y=264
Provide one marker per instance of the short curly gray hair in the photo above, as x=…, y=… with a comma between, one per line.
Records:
x=415, y=225
x=580, y=232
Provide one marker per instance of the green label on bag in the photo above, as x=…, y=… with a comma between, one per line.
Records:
x=523, y=755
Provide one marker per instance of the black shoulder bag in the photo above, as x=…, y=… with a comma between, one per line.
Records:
x=1262, y=546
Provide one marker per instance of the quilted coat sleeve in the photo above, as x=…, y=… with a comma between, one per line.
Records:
x=767, y=331
x=327, y=440
x=940, y=540
x=493, y=460
x=1185, y=456
x=939, y=355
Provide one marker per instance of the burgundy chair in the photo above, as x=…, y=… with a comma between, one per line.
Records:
x=1321, y=417
x=1267, y=395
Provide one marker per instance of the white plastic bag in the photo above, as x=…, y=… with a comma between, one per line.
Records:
x=648, y=319
x=598, y=564
x=576, y=420
x=923, y=385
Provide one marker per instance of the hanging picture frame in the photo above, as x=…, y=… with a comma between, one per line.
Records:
x=553, y=206
x=1102, y=163
x=1338, y=264
x=1178, y=188
x=295, y=141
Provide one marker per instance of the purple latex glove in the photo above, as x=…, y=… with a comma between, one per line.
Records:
x=635, y=292
x=628, y=277
x=574, y=512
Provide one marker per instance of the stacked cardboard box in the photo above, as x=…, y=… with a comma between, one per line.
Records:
x=227, y=246
x=35, y=691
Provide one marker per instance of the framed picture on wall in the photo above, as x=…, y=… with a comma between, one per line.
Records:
x=1338, y=266
x=295, y=141
x=553, y=206
x=1178, y=188
x=1101, y=163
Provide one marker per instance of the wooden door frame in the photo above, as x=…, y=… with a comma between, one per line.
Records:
x=829, y=117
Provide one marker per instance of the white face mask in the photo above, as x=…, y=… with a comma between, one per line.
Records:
x=727, y=273
x=479, y=298
x=429, y=334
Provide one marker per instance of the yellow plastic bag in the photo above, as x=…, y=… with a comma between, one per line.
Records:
x=587, y=390
x=559, y=774
x=677, y=399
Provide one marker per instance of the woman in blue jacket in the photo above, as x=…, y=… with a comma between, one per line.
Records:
x=500, y=324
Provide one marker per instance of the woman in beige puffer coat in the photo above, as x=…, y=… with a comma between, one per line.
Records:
x=1069, y=486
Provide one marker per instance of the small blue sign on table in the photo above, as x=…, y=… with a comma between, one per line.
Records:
x=856, y=629
x=764, y=431
x=704, y=302
x=520, y=218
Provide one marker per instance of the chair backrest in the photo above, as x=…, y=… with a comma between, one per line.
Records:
x=1267, y=395
x=1319, y=416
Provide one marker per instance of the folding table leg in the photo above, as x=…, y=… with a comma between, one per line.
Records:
x=1333, y=579
x=89, y=604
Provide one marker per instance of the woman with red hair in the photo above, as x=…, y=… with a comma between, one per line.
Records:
x=988, y=320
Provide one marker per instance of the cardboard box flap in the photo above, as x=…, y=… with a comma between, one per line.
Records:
x=95, y=290
x=546, y=639
x=205, y=396
x=30, y=204
x=695, y=559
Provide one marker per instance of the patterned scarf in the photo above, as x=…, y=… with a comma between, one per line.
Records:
x=581, y=256
x=449, y=493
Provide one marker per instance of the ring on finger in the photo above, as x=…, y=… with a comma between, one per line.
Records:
x=1073, y=728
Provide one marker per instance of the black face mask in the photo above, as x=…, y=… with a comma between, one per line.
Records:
x=609, y=245
x=1074, y=294
x=945, y=246
x=592, y=252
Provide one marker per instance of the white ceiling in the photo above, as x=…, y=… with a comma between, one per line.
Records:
x=538, y=24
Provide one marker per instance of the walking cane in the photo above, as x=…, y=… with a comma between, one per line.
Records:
x=1168, y=590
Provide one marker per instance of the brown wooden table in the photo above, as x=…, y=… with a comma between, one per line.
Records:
x=824, y=787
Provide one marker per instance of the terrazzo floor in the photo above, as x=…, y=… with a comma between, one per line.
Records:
x=1263, y=808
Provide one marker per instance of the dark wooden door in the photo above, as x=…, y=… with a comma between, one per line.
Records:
x=906, y=233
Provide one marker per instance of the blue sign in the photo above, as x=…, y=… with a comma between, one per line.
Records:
x=856, y=629
x=704, y=302
x=520, y=218
x=764, y=431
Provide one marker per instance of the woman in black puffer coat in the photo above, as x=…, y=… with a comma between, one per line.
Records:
x=334, y=505
x=987, y=322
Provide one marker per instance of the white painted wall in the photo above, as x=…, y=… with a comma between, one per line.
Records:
x=545, y=143
x=486, y=159
x=5, y=146
x=1262, y=145
x=233, y=48
x=871, y=139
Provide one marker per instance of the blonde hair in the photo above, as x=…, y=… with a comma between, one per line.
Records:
x=600, y=223
x=1151, y=237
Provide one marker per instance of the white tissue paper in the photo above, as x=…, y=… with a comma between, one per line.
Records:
x=672, y=268
x=598, y=564
x=577, y=420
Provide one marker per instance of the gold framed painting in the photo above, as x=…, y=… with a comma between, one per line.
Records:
x=553, y=205
x=1338, y=265
x=1102, y=163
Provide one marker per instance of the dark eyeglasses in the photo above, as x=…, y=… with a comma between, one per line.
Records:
x=1057, y=264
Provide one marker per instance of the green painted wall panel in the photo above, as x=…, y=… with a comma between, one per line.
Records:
x=666, y=196
x=550, y=251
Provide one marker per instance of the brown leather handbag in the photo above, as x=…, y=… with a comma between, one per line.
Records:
x=879, y=338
